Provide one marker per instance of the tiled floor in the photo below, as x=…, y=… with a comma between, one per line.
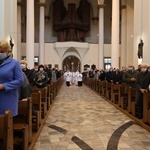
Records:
x=82, y=120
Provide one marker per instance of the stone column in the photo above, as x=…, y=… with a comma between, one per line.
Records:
x=41, y=36
x=123, y=54
x=5, y=19
x=115, y=34
x=146, y=31
x=13, y=26
x=30, y=33
x=137, y=30
x=19, y=29
x=101, y=37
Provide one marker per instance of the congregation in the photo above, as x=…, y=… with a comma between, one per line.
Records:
x=136, y=78
x=19, y=84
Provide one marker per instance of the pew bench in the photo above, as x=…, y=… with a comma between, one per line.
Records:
x=122, y=101
x=100, y=87
x=104, y=88
x=36, y=115
x=43, y=99
x=49, y=94
x=146, y=108
x=23, y=122
x=108, y=91
x=114, y=93
x=6, y=131
x=131, y=101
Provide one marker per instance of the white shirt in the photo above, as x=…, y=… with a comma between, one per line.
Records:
x=80, y=77
x=67, y=76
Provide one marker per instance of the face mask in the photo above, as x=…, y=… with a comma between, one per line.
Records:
x=3, y=56
x=130, y=68
x=23, y=66
x=123, y=69
x=143, y=70
x=36, y=69
x=41, y=69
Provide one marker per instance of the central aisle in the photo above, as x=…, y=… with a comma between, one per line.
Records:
x=82, y=120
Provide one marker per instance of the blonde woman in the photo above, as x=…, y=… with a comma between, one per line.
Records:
x=11, y=79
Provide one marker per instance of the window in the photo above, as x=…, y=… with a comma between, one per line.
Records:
x=36, y=59
x=107, y=62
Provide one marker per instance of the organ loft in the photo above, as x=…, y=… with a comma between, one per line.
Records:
x=71, y=24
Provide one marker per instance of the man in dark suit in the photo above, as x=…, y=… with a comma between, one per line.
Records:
x=117, y=76
x=142, y=83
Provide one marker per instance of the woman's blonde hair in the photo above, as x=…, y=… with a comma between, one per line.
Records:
x=4, y=45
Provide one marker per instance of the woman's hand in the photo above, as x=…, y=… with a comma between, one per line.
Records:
x=1, y=87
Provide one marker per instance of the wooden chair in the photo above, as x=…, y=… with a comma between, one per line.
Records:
x=146, y=108
x=6, y=131
x=23, y=122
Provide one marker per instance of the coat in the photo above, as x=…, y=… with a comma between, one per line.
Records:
x=25, y=90
x=127, y=79
x=41, y=78
x=11, y=77
x=142, y=82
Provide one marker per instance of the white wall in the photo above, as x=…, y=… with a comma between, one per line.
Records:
x=52, y=57
x=130, y=23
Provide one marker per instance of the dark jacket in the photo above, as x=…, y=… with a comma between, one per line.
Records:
x=142, y=82
x=117, y=77
x=109, y=76
x=41, y=79
x=25, y=90
x=102, y=76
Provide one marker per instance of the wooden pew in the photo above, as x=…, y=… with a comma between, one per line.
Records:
x=123, y=97
x=6, y=131
x=146, y=108
x=36, y=116
x=55, y=87
x=23, y=122
x=53, y=90
x=108, y=90
x=97, y=86
x=131, y=101
x=104, y=88
x=114, y=93
x=91, y=83
x=49, y=94
x=88, y=81
x=100, y=87
x=43, y=98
